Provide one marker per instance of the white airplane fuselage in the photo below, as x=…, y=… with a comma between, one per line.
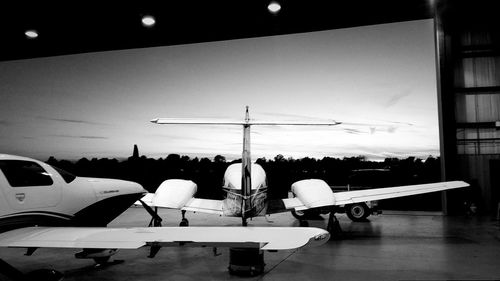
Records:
x=234, y=199
x=35, y=193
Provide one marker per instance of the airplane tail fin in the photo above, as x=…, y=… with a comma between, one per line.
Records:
x=246, y=180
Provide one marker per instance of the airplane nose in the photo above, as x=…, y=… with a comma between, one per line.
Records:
x=113, y=187
x=136, y=187
x=130, y=187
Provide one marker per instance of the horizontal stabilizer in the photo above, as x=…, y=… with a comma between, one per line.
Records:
x=208, y=121
x=196, y=121
x=264, y=238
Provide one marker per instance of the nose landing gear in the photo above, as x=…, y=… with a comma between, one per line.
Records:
x=184, y=221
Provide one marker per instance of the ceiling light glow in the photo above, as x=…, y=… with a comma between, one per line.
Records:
x=31, y=34
x=148, y=21
x=274, y=7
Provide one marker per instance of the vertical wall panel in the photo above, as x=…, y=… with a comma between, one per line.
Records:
x=485, y=72
x=487, y=108
x=467, y=74
x=474, y=38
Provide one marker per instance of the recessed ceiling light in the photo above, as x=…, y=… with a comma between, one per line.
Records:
x=31, y=34
x=274, y=7
x=148, y=21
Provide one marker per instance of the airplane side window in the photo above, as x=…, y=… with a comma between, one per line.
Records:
x=24, y=173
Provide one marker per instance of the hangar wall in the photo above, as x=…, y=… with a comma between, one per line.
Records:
x=468, y=64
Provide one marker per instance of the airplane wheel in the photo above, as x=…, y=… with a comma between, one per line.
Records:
x=300, y=215
x=357, y=212
x=306, y=214
x=45, y=275
x=184, y=222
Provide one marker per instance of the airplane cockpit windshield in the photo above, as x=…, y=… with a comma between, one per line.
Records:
x=67, y=176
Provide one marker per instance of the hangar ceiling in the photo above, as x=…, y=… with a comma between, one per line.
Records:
x=71, y=27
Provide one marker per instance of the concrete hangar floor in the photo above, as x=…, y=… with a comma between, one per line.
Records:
x=391, y=246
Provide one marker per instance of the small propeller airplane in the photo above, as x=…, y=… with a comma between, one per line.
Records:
x=245, y=185
x=42, y=206
x=45, y=207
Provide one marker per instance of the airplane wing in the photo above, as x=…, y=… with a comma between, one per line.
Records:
x=316, y=193
x=204, y=206
x=264, y=238
x=349, y=197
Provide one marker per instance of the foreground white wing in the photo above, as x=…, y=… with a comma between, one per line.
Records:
x=349, y=197
x=265, y=238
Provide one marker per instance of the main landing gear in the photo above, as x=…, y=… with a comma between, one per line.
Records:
x=184, y=221
x=333, y=225
x=357, y=212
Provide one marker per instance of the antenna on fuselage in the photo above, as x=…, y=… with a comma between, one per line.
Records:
x=247, y=116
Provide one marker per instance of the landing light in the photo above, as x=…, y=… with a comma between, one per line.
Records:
x=148, y=21
x=274, y=7
x=320, y=236
x=31, y=34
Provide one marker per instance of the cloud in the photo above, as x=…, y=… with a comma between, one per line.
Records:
x=374, y=127
x=391, y=129
x=388, y=129
x=4, y=123
x=71, y=120
x=396, y=98
x=403, y=123
x=353, y=131
x=174, y=137
x=80, y=137
x=295, y=116
x=202, y=137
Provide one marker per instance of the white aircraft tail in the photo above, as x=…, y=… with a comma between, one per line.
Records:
x=246, y=180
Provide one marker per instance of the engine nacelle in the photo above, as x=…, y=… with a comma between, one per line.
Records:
x=313, y=193
x=174, y=193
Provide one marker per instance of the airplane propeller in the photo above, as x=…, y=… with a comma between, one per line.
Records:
x=155, y=218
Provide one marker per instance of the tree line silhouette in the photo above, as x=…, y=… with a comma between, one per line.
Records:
x=281, y=173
